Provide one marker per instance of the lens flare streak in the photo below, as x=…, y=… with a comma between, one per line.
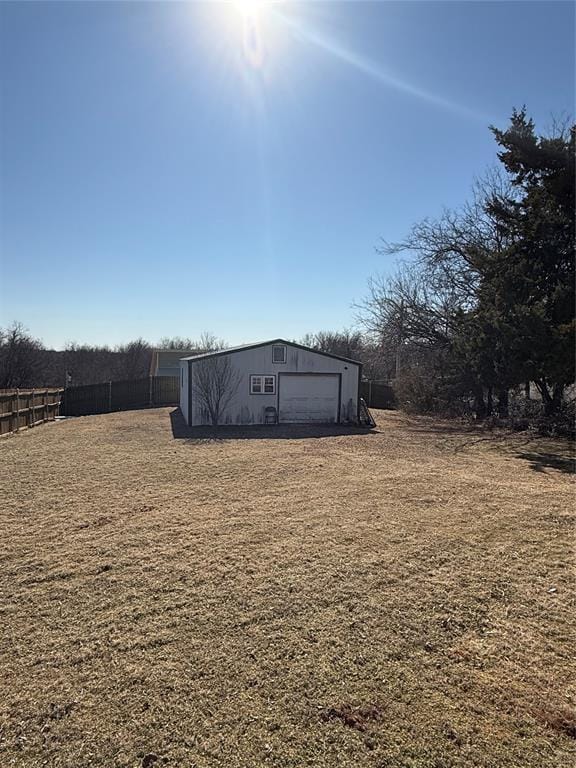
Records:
x=252, y=42
x=368, y=68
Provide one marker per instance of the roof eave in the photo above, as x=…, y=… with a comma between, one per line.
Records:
x=243, y=347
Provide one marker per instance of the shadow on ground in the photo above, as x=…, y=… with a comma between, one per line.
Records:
x=432, y=427
x=540, y=461
x=462, y=436
x=181, y=431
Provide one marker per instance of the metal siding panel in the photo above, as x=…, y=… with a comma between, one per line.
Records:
x=184, y=390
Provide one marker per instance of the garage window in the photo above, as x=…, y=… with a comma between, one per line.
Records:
x=278, y=353
x=262, y=385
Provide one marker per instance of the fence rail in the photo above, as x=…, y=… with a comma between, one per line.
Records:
x=24, y=408
x=120, y=396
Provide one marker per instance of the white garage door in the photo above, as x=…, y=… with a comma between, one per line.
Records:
x=303, y=397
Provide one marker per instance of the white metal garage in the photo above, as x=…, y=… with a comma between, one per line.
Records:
x=307, y=397
x=274, y=382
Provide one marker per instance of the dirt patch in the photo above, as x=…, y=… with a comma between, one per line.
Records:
x=561, y=719
x=357, y=717
x=400, y=598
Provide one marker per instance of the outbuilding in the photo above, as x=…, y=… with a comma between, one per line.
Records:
x=166, y=362
x=278, y=381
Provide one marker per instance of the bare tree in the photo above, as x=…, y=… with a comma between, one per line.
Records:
x=176, y=342
x=451, y=252
x=214, y=384
x=85, y=364
x=356, y=346
x=422, y=305
x=21, y=358
x=345, y=343
x=208, y=342
x=410, y=306
x=133, y=360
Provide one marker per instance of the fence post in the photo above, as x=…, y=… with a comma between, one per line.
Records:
x=110, y=396
x=46, y=405
x=150, y=392
x=12, y=412
x=17, y=410
x=31, y=410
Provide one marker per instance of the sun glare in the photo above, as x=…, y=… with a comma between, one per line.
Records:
x=250, y=27
x=250, y=7
x=253, y=44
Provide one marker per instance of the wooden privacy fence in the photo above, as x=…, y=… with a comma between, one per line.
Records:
x=20, y=408
x=377, y=394
x=120, y=396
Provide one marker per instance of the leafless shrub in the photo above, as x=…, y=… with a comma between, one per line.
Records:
x=214, y=384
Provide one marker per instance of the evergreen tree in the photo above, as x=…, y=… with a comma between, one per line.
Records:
x=527, y=294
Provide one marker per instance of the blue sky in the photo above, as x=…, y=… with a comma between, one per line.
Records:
x=159, y=177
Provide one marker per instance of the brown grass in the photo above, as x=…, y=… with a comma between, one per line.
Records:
x=397, y=599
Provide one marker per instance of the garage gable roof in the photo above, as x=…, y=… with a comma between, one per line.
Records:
x=267, y=343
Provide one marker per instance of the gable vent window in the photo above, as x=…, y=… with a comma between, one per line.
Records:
x=279, y=353
x=262, y=385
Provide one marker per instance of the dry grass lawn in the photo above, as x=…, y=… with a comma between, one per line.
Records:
x=403, y=598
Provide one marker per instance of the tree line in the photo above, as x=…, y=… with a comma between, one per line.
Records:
x=25, y=362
